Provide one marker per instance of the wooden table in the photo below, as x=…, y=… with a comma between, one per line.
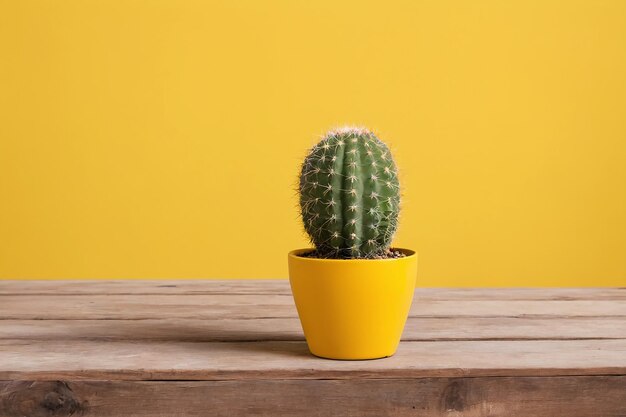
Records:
x=235, y=348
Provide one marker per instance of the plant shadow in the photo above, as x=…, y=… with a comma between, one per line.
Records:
x=275, y=336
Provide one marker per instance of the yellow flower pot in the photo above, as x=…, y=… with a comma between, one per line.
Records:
x=353, y=308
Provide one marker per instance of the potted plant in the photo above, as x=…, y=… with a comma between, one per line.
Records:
x=352, y=291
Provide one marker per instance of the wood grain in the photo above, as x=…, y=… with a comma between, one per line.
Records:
x=249, y=306
x=236, y=348
x=289, y=329
x=281, y=287
x=143, y=360
x=580, y=396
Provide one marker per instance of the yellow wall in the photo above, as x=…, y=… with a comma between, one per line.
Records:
x=156, y=139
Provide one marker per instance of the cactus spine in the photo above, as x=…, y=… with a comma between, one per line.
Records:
x=349, y=195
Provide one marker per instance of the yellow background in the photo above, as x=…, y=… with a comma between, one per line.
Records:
x=162, y=139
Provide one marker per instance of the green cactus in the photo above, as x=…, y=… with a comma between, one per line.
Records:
x=349, y=195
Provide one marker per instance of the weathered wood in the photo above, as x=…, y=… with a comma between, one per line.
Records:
x=281, y=286
x=138, y=307
x=197, y=348
x=286, y=329
x=581, y=396
x=150, y=360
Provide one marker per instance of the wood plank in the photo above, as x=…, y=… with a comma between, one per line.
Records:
x=236, y=348
x=139, y=307
x=580, y=396
x=154, y=360
x=278, y=287
x=286, y=329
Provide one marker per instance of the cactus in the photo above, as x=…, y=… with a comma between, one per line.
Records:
x=349, y=195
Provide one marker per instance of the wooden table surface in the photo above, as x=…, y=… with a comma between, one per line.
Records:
x=236, y=348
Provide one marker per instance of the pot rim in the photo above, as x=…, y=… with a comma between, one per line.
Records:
x=409, y=254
